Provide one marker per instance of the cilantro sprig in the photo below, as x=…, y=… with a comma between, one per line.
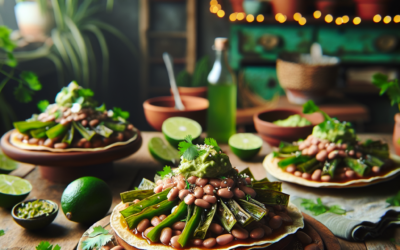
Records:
x=98, y=238
x=187, y=149
x=395, y=200
x=390, y=87
x=212, y=142
x=319, y=208
x=2, y=232
x=45, y=245
x=166, y=171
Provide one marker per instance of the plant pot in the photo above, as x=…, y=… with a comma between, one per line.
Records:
x=326, y=6
x=192, y=91
x=367, y=9
x=289, y=7
x=254, y=7
x=237, y=5
x=396, y=133
x=32, y=24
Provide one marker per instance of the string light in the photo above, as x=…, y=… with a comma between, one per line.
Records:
x=387, y=19
x=260, y=18
x=240, y=16
x=250, y=18
x=339, y=21
x=302, y=21
x=214, y=9
x=232, y=17
x=277, y=16
x=345, y=19
x=357, y=20
x=213, y=2
x=317, y=14
x=396, y=19
x=297, y=16
x=221, y=13
x=282, y=18
x=328, y=18
x=377, y=18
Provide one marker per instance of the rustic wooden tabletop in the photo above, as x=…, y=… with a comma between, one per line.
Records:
x=128, y=173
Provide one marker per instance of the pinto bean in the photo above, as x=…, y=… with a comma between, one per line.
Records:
x=225, y=193
x=312, y=150
x=61, y=145
x=257, y=233
x=351, y=152
x=215, y=182
x=169, y=185
x=331, y=147
x=174, y=242
x=136, y=201
x=33, y=141
x=285, y=218
x=350, y=173
x=87, y=144
x=298, y=173
x=143, y=225
x=197, y=242
x=316, y=176
x=155, y=221
x=84, y=123
x=210, y=199
x=275, y=222
x=192, y=179
x=166, y=235
x=159, y=182
x=158, y=189
x=304, y=145
x=147, y=231
x=117, y=248
x=189, y=199
x=267, y=229
x=248, y=190
x=209, y=243
x=173, y=194
x=228, y=182
x=216, y=228
x=183, y=193
x=291, y=168
x=167, y=181
x=180, y=225
x=333, y=154
x=342, y=153
x=306, y=175
x=376, y=169
x=162, y=217
x=321, y=156
x=202, y=203
x=198, y=192
x=208, y=189
x=181, y=184
x=48, y=143
x=201, y=182
x=239, y=193
x=304, y=151
x=240, y=233
x=224, y=239
x=303, y=237
x=94, y=122
x=176, y=232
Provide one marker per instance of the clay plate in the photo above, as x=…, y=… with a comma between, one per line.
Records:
x=271, y=166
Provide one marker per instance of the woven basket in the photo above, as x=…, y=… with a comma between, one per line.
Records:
x=304, y=77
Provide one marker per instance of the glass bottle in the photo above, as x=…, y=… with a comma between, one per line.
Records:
x=221, y=114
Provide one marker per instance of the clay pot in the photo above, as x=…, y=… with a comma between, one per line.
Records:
x=396, y=133
x=326, y=6
x=192, y=91
x=367, y=9
x=237, y=5
x=158, y=109
x=289, y=7
x=274, y=134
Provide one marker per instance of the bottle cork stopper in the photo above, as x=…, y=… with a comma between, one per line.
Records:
x=221, y=43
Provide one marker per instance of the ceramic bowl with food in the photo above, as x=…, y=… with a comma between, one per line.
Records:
x=35, y=213
x=192, y=91
x=273, y=134
x=158, y=109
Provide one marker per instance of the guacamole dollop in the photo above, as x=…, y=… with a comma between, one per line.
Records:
x=210, y=164
x=293, y=121
x=335, y=131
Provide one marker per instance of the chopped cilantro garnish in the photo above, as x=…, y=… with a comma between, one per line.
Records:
x=166, y=171
x=42, y=105
x=118, y=112
x=187, y=149
x=45, y=245
x=102, y=108
x=187, y=185
x=319, y=208
x=98, y=238
x=212, y=142
x=395, y=200
x=248, y=197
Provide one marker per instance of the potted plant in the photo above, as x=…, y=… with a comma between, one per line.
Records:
x=367, y=9
x=255, y=7
x=289, y=7
x=392, y=89
x=196, y=84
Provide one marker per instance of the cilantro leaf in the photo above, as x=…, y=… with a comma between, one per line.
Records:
x=42, y=105
x=392, y=88
x=31, y=79
x=248, y=197
x=212, y=142
x=2, y=232
x=395, y=200
x=310, y=107
x=85, y=92
x=166, y=171
x=118, y=112
x=187, y=185
x=45, y=245
x=187, y=149
x=319, y=208
x=136, y=188
x=102, y=108
x=96, y=242
x=336, y=210
x=98, y=230
x=22, y=93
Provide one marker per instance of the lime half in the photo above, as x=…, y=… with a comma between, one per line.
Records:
x=175, y=129
x=13, y=189
x=163, y=152
x=6, y=164
x=245, y=145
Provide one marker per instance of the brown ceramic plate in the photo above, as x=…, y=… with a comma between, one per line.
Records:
x=271, y=166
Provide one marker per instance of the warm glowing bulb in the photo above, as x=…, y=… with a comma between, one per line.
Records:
x=282, y=18
x=214, y=9
x=387, y=19
x=232, y=17
x=302, y=21
x=278, y=16
x=357, y=20
x=345, y=19
x=396, y=19
x=213, y=2
x=219, y=6
x=250, y=18
x=339, y=21
x=377, y=18
x=221, y=13
x=240, y=16
x=260, y=18
x=317, y=14
x=328, y=18
x=297, y=16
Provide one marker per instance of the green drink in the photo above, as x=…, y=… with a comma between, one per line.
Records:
x=221, y=114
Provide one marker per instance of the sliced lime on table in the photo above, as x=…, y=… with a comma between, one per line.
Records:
x=6, y=164
x=175, y=129
x=13, y=189
x=245, y=145
x=163, y=152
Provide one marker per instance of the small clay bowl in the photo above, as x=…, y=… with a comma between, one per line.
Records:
x=158, y=109
x=274, y=134
x=38, y=222
x=192, y=91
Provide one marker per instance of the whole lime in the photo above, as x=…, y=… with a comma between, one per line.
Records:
x=86, y=200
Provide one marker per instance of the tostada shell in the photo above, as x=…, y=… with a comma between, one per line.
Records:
x=271, y=166
x=121, y=230
x=19, y=144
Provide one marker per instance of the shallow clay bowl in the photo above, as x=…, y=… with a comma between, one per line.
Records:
x=38, y=222
x=192, y=91
x=158, y=109
x=274, y=134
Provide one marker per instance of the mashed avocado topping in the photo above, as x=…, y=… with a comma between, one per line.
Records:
x=293, y=121
x=335, y=131
x=73, y=94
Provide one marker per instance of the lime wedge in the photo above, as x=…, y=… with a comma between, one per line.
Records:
x=245, y=145
x=163, y=152
x=175, y=129
x=146, y=184
x=13, y=190
x=6, y=164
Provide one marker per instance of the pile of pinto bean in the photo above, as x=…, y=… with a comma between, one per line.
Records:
x=203, y=192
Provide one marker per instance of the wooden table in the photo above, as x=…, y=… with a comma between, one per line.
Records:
x=127, y=174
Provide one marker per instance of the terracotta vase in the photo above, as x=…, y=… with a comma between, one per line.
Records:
x=326, y=6
x=237, y=5
x=396, y=133
x=289, y=7
x=367, y=9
